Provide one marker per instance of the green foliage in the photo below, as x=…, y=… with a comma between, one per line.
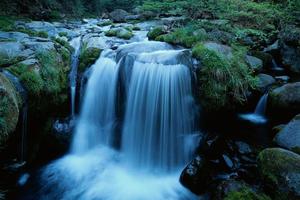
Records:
x=33, y=83
x=187, y=36
x=246, y=194
x=222, y=82
x=88, y=57
x=6, y=23
x=154, y=33
x=111, y=33
x=64, y=43
x=63, y=34
x=105, y=23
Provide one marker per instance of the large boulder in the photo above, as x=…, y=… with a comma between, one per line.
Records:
x=289, y=136
x=224, y=50
x=281, y=171
x=289, y=40
x=9, y=109
x=118, y=15
x=286, y=98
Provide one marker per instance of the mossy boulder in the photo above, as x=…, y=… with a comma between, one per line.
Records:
x=88, y=57
x=285, y=99
x=224, y=80
x=155, y=32
x=237, y=190
x=123, y=33
x=281, y=171
x=289, y=136
x=9, y=109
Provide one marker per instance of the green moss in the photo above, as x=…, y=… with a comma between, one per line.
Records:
x=126, y=35
x=32, y=82
x=274, y=162
x=105, y=23
x=88, y=57
x=111, y=33
x=246, y=194
x=42, y=34
x=154, y=33
x=120, y=33
x=188, y=36
x=136, y=28
x=63, y=34
x=222, y=82
x=64, y=43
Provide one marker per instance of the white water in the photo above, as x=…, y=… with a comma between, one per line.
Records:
x=76, y=44
x=156, y=135
x=259, y=114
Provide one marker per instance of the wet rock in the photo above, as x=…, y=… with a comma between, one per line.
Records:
x=281, y=171
x=228, y=161
x=282, y=79
x=40, y=26
x=195, y=174
x=119, y=15
x=224, y=50
x=289, y=136
x=40, y=46
x=13, y=36
x=256, y=64
x=265, y=81
x=10, y=53
x=286, y=98
x=9, y=109
x=243, y=148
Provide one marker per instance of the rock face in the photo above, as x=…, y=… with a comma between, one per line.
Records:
x=265, y=81
x=255, y=63
x=9, y=109
x=286, y=98
x=194, y=175
x=281, y=170
x=118, y=15
x=289, y=136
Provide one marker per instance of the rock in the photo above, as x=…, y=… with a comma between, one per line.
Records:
x=17, y=36
x=281, y=170
x=224, y=50
x=291, y=57
x=290, y=35
x=273, y=48
x=39, y=26
x=243, y=148
x=278, y=128
x=228, y=161
x=256, y=64
x=133, y=17
x=118, y=15
x=234, y=189
x=148, y=15
x=195, y=174
x=40, y=46
x=31, y=63
x=282, y=79
x=221, y=36
x=10, y=53
x=264, y=82
x=289, y=136
x=286, y=98
x=9, y=109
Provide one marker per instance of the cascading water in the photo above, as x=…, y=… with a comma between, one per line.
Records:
x=259, y=114
x=23, y=125
x=158, y=118
x=76, y=44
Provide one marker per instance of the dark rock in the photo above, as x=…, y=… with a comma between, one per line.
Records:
x=281, y=171
x=243, y=148
x=289, y=136
x=118, y=15
x=228, y=161
x=195, y=175
x=265, y=81
x=291, y=57
x=273, y=48
x=256, y=64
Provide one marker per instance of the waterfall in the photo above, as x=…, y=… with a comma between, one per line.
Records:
x=158, y=114
x=23, y=114
x=155, y=142
x=76, y=44
x=97, y=117
x=261, y=105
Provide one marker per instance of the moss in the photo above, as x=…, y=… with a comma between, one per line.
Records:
x=105, y=23
x=275, y=163
x=63, y=34
x=32, y=82
x=222, y=82
x=42, y=34
x=154, y=33
x=88, y=57
x=136, y=28
x=120, y=33
x=64, y=43
x=126, y=35
x=111, y=33
x=188, y=36
x=246, y=194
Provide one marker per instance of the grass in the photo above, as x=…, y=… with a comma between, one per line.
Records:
x=223, y=82
x=246, y=194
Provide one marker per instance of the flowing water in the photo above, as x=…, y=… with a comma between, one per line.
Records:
x=76, y=44
x=156, y=133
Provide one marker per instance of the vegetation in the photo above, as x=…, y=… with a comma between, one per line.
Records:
x=223, y=82
x=246, y=194
x=87, y=57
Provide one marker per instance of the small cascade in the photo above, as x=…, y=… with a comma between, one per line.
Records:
x=76, y=44
x=261, y=106
x=23, y=114
x=258, y=116
x=96, y=122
